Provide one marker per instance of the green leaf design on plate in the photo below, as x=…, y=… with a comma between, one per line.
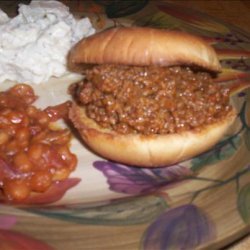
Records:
x=191, y=17
x=121, y=212
x=121, y=8
x=247, y=139
x=222, y=151
x=244, y=203
x=157, y=20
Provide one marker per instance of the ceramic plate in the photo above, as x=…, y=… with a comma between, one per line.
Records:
x=199, y=203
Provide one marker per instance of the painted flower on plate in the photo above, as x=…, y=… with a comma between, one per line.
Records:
x=135, y=181
x=184, y=227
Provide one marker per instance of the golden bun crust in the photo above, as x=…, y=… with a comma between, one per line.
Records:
x=142, y=47
x=148, y=151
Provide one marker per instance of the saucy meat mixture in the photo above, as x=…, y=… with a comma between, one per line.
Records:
x=33, y=155
x=151, y=100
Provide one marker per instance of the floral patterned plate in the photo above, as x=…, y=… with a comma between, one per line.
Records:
x=199, y=203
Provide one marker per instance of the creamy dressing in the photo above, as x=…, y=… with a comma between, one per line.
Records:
x=34, y=44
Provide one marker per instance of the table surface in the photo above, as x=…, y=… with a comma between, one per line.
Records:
x=236, y=12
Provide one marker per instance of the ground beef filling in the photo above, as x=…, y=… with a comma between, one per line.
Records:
x=152, y=100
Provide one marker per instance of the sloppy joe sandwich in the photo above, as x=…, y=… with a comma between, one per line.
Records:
x=148, y=97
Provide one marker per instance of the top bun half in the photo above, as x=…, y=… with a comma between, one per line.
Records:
x=141, y=46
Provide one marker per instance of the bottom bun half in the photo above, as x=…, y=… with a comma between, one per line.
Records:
x=147, y=150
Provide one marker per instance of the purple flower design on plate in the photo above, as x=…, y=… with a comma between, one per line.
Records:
x=134, y=180
x=184, y=227
x=239, y=64
x=232, y=38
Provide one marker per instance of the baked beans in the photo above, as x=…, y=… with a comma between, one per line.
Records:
x=33, y=153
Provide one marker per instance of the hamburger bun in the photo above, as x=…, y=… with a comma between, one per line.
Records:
x=144, y=47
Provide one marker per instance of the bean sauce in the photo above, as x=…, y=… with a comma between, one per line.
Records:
x=33, y=154
x=151, y=100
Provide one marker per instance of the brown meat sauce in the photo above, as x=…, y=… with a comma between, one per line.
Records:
x=151, y=100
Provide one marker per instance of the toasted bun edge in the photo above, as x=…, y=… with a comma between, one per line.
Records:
x=148, y=151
